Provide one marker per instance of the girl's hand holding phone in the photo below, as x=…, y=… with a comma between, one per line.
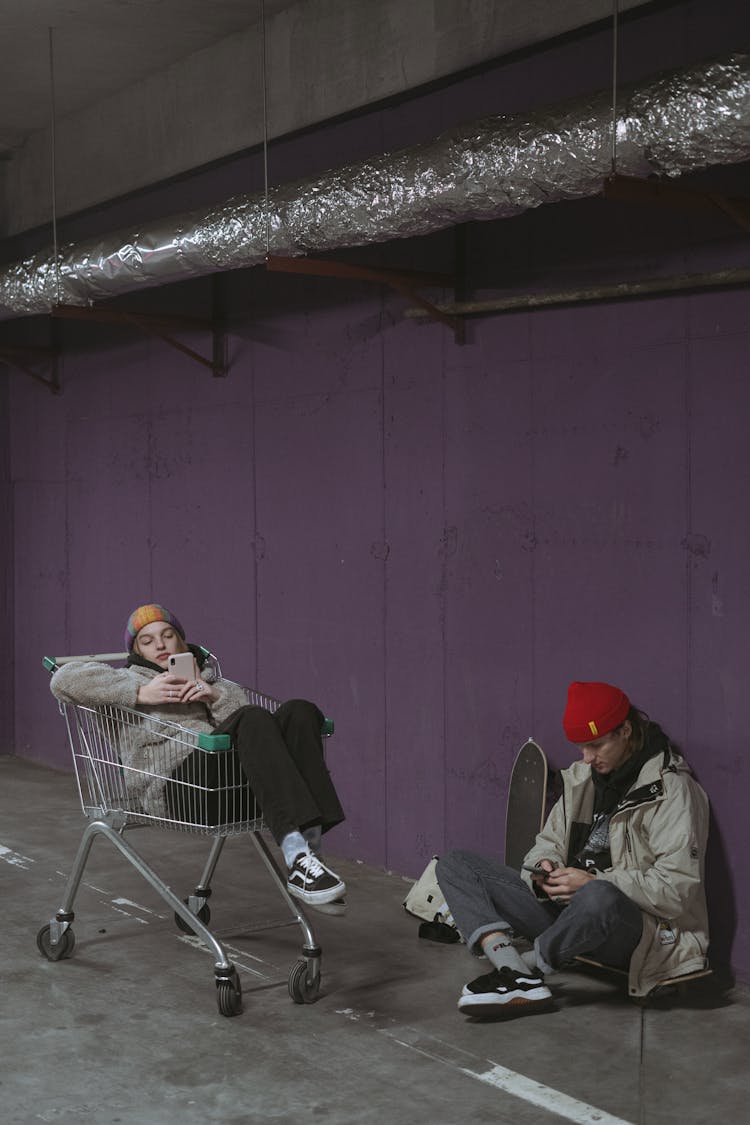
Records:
x=181, y=684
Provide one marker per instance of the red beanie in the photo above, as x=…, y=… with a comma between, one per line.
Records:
x=593, y=710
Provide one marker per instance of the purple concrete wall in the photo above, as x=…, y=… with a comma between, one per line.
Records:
x=430, y=540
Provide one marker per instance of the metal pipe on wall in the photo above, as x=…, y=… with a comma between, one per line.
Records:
x=491, y=169
x=617, y=291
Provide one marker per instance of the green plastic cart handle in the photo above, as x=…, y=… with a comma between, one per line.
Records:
x=224, y=742
x=215, y=741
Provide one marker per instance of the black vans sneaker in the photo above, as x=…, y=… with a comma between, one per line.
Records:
x=504, y=989
x=313, y=882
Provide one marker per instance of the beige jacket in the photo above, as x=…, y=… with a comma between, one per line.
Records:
x=658, y=836
x=149, y=758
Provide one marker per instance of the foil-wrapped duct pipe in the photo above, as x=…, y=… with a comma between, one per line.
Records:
x=493, y=168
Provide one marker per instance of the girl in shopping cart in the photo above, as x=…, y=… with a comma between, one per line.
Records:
x=280, y=752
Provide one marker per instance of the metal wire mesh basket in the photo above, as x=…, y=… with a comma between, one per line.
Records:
x=206, y=793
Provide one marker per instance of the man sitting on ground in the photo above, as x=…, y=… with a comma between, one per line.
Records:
x=621, y=861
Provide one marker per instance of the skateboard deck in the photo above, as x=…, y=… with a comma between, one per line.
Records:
x=527, y=801
x=664, y=985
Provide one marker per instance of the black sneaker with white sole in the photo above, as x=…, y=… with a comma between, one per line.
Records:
x=313, y=882
x=504, y=990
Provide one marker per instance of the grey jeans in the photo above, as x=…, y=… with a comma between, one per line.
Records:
x=484, y=896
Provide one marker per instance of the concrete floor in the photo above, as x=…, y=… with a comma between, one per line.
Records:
x=128, y=1031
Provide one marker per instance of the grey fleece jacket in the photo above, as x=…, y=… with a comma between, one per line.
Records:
x=149, y=751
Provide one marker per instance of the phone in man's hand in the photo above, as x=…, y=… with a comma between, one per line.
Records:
x=537, y=870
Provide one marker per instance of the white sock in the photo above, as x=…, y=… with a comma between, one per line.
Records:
x=500, y=951
x=292, y=844
x=529, y=960
x=313, y=836
x=541, y=965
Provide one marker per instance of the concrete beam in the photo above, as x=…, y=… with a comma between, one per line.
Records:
x=324, y=58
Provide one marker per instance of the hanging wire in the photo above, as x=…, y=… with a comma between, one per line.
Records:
x=615, y=15
x=265, y=123
x=53, y=162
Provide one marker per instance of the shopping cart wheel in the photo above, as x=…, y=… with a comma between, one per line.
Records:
x=64, y=947
x=229, y=993
x=303, y=989
x=203, y=915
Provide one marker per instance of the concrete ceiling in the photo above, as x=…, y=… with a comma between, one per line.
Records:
x=149, y=89
x=100, y=47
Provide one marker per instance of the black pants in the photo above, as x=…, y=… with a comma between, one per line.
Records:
x=281, y=758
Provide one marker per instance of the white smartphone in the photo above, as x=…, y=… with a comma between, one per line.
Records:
x=183, y=664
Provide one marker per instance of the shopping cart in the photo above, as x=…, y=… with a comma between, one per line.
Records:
x=211, y=799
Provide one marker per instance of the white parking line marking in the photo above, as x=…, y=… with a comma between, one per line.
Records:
x=196, y=943
x=127, y=914
x=137, y=906
x=545, y=1097
x=492, y=1074
x=15, y=859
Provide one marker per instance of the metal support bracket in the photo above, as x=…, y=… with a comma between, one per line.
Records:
x=161, y=327
x=28, y=359
x=632, y=189
x=402, y=281
x=461, y=286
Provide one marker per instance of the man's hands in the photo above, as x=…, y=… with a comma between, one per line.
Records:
x=168, y=688
x=561, y=883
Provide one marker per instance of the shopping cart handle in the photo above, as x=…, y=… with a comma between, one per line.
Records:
x=205, y=741
x=53, y=662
